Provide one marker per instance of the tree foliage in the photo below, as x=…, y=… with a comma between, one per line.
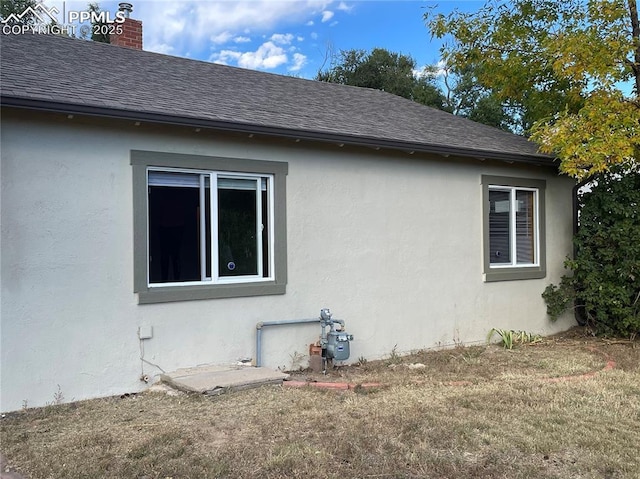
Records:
x=564, y=66
x=383, y=70
x=605, y=284
x=17, y=7
x=97, y=32
x=398, y=74
x=468, y=98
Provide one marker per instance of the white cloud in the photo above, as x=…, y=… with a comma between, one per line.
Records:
x=220, y=38
x=267, y=56
x=225, y=56
x=190, y=25
x=326, y=16
x=161, y=48
x=222, y=30
x=344, y=7
x=282, y=38
x=299, y=60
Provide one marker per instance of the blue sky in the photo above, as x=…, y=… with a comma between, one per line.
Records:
x=289, y=37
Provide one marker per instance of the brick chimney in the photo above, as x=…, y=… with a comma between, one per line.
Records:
x=131, y=36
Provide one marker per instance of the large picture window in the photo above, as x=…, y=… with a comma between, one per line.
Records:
x=208, y=232
x=513, y=228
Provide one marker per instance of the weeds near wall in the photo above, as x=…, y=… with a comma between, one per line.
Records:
x=394, y=356
x=510, y=338
x=58, y=396
x=297, y=361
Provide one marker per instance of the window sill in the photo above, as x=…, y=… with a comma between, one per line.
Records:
x=193, y=293
x=513, y=274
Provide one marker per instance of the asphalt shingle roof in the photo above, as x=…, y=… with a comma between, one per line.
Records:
x=64, y=74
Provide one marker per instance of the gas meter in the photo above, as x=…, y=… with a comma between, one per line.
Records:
x=335, y=343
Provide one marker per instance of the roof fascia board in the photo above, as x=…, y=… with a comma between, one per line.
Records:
x=77, y=109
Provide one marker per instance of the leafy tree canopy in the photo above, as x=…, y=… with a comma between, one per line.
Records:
x=383, y=70
x=566, y=66
x=468, y=98
x=17, y=7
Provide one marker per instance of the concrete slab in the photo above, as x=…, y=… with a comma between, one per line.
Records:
x=215, y=380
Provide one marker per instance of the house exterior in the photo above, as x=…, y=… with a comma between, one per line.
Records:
x=154, y=209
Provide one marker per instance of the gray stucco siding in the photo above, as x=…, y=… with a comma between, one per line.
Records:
x=391, y=242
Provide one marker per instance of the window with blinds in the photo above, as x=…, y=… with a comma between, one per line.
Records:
x=512, y=226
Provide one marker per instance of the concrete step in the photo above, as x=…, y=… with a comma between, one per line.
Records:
x=214, y=380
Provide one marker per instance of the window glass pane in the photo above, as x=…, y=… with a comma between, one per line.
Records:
x=237, y=227
x=174, y=253
x=207, y=232
x=499, y=226
x=265, y=231
x=525, y=234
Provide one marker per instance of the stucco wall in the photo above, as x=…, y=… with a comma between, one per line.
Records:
x=391, y=242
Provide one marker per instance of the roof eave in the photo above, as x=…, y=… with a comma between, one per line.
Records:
x=91, y=110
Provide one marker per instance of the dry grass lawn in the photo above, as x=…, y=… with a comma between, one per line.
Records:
x=508, y=420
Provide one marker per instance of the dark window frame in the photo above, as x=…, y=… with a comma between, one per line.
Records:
x=520, y=272
x=140, y=162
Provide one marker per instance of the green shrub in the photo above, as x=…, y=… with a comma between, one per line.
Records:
x=605, y=284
